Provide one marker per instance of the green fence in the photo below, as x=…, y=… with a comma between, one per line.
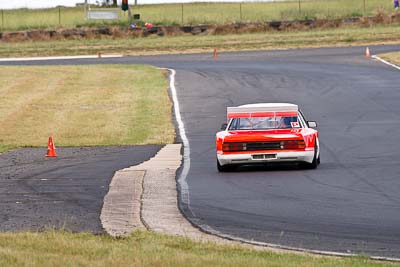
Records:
x=200, y=13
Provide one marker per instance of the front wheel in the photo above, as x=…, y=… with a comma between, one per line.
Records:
x=224, y=168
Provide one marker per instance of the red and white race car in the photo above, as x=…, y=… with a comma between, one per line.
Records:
x=267, y=132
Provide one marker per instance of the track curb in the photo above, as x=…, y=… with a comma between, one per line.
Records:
x=120, y=214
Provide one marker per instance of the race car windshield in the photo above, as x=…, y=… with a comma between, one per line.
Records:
x=263, y=123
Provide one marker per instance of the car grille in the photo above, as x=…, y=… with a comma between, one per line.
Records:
x=251, y=146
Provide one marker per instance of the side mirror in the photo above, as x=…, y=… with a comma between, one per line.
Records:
x=312, y=124
x=223, y=126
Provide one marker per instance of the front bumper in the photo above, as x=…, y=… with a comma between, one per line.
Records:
x=251, y=158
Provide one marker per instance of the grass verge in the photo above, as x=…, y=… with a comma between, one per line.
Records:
x=55, y=248
x=84, y=106
x=198, y=13
x=190, y=44
x=392, y=57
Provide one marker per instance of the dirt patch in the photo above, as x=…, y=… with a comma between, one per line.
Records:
x=115, y=32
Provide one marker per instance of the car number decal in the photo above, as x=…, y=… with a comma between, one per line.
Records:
x=295, y=124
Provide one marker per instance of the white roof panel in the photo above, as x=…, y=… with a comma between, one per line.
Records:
x=263, y=107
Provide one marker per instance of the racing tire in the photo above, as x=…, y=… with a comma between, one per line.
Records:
x=224, y=168
x=316, y=161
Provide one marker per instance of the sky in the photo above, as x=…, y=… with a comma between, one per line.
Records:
x=11, y=4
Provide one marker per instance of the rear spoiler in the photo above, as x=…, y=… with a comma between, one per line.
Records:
x=254, y=112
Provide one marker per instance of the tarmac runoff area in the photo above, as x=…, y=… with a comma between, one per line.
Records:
x=66, y=192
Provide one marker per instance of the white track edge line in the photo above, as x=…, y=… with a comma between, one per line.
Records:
x=209, y=230
x=186, y=146
x=386, y=62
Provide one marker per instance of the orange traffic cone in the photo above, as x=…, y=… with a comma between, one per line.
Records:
x=367, y=53
x=51, y=150
x=215, y=55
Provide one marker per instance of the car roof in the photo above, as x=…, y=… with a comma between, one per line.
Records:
x=270, y=105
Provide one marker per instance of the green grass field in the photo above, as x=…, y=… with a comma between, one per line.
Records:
x=199, y=13
x=148, y=249
x=206, y=43
x=84, y=106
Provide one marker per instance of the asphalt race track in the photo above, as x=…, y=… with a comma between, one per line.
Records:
x=351, y=203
